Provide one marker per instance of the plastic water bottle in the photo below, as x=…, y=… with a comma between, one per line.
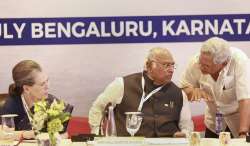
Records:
x=110, y=125
x=218, y=122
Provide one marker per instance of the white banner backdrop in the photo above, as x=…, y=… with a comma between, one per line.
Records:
x=78, y=73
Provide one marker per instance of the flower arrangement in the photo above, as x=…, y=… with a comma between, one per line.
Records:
x=50, y=116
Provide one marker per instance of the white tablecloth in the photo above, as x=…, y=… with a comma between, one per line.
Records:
x=147, y=142
x=65, y=142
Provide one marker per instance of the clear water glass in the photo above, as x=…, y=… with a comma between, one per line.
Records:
x=133, y=122
x=8, y=128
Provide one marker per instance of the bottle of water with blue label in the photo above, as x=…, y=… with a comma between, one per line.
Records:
x=218, y=122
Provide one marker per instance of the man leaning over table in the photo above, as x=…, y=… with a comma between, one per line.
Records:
x=219, y=74
x=166, y=112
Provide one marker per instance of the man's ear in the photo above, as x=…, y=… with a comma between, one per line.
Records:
x=225, y=63
x=148, y=64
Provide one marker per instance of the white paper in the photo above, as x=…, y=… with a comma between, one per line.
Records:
x=163, y=141
x=120, y=141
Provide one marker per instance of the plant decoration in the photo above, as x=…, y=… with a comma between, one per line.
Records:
x=49, y=117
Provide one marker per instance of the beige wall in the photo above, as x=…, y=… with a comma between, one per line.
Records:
x=78, y=73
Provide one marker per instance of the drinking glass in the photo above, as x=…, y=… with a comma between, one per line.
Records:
x=43, y=139
x=8, y=128
x=133, y=122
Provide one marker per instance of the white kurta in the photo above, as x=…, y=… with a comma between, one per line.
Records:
x=114, y=94
x=231, y=86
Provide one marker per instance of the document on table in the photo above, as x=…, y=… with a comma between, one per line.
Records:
x=164, y=141
x=120, y=141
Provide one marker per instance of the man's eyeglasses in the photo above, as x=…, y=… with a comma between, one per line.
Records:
x=166, y=65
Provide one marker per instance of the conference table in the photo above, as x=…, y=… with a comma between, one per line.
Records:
x=139, y=141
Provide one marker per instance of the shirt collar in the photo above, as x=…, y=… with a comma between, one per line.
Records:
x=225, y=70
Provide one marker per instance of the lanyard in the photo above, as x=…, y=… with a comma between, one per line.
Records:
x=27, y=110
x=143, y=98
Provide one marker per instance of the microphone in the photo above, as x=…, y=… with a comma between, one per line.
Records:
x=104, y=118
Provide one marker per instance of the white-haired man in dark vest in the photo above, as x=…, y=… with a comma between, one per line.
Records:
x=165, y=107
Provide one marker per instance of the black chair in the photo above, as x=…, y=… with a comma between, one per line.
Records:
x=69, y=108
x=3, y=97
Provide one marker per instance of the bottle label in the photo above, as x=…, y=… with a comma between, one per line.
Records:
x=218, y=122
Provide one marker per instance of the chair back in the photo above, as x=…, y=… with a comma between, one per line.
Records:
x=3, y=97
x=78, y=125
x=199, y=124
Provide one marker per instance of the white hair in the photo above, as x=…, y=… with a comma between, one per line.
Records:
x=154, y=53
x=218, y=48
